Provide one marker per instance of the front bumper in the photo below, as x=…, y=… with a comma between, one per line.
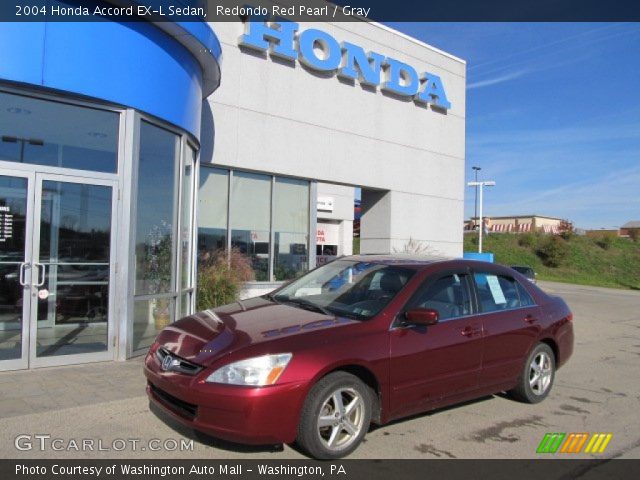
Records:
x=249, y=415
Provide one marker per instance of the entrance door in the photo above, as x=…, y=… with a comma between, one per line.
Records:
x=60, y=251
x=16, y=214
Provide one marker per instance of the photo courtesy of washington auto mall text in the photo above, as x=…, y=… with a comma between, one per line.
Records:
x=186, y=470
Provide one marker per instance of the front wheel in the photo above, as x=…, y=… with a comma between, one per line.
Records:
x=335, y=417
x=537, y=376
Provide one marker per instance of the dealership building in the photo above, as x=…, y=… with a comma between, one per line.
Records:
x=132, y=152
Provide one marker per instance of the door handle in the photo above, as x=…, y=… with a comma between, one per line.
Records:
x=23, y=267
x=469, y=331
x=42, y=273
x=530, y=319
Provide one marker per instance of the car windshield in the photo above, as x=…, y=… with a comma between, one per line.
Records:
x=346, y=288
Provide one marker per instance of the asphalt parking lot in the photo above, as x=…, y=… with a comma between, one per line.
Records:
x=597, y=391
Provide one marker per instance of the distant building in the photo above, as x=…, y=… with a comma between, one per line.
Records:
x=630, y=228
x=603, y=232
x=518, y=224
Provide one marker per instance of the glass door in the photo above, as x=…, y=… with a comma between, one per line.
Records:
x=71, y=270
x=16, y=207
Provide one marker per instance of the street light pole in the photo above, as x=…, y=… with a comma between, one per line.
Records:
x=475, y=208
x=489, y=183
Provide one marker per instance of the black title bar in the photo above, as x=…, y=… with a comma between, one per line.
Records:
x=321, y=10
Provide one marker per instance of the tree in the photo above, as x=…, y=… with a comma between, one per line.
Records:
x=565, y=228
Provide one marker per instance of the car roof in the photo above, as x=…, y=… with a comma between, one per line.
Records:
x=414, y=261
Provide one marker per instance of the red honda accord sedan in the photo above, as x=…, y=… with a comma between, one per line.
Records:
x=362, y=339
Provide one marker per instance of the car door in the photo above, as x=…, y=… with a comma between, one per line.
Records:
x=510, y=325
x=428, y=364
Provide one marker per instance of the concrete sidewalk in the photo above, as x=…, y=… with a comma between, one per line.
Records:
x=26, y=392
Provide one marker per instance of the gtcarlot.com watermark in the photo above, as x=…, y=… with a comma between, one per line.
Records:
x=44, y=442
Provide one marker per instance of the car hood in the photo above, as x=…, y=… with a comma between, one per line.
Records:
x=206, y=336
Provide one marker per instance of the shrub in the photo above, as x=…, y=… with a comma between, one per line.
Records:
x=565, y=229
x=553, y=251
x=527, y=240
x=604, y=242
x=416, y=247
x=634, y=234
x=220, y=278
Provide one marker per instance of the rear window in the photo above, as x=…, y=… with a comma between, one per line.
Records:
x=500, y=292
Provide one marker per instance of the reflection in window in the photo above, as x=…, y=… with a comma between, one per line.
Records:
x=56, y=134
x=251, y=218
x=155, y=210
x=75, y=222
x=213, y=198
x=13, y=212
x=448, y=296
x=291, y=227
x=496, y=292
x=250, y=203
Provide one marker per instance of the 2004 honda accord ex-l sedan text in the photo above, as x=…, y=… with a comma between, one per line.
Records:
x=362, y=339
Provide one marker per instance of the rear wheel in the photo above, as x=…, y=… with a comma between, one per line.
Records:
x=335, y=417
x=537, y=376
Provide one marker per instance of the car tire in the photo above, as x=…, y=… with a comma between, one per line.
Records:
x=537, y=376
x=335, y=416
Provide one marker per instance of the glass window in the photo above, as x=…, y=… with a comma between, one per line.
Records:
x=185, y=225
x=251, y=219
x=448, y=295
x=13, y=230
x=291, y=227
x=496, y=292
x=155, y=210
x=213, y=199
x=252, y=197
x=58, y=135
x=525, y=298
x=357, y=290
x=149, y=317
x=76, y=223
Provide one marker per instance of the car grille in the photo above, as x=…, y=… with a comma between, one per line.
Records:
x=185, y=409
x=178, y=364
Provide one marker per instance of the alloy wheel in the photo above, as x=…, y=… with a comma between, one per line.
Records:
x=540, y=373
x=341, y=419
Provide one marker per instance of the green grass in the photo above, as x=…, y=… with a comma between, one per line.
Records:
x=588, y=261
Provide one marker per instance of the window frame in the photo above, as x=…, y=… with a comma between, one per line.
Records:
x=428, y=282
x=475, y=272
x=311, y=219
x=185, y=141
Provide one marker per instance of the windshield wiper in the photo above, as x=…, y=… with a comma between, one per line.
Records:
x=271, y=296
x=309, y=306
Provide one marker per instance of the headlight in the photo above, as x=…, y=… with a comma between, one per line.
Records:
x=257, y=371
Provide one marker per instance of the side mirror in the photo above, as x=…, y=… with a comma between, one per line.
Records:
x=422, y=316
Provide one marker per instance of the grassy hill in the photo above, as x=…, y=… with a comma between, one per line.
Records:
x=603, y=261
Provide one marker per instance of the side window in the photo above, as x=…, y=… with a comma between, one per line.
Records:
x=497, y=292
x=448, y=295
x=525, y=297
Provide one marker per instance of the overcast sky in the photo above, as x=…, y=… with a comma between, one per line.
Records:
x=553, y=116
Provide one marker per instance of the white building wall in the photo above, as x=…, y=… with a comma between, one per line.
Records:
x=343, y=197
x=277, y=116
